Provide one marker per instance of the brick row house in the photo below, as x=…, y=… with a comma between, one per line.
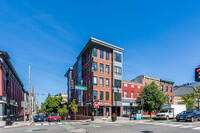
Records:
x=99, y=68
x=16, y=88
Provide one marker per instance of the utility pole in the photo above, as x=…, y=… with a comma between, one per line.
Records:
x=32, y=100
x=30, y=113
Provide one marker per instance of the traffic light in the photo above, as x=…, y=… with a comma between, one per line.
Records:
x=197, y=74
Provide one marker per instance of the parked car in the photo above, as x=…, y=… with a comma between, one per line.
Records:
x=53, y=117
x=39, y=118
x=170, y=111
x=189, y=115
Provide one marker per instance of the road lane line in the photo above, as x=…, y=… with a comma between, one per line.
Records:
x=197, y=128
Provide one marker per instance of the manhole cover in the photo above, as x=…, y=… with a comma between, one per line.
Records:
x=39, y=130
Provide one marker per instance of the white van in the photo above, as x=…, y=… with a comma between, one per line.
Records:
x=170, y=111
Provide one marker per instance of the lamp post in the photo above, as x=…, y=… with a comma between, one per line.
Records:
x=8, y=119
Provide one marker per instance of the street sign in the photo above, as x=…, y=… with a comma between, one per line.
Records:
x=142, y=101
x=80, y=88
x=96, y=105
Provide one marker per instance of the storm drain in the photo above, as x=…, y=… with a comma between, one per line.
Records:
x=38, y=130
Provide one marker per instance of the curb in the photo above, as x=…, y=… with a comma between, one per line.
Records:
x=15, y=126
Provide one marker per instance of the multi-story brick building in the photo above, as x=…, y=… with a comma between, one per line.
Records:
x=16, y=88
x=99, y=68
x=164, y=85
x=130, y=93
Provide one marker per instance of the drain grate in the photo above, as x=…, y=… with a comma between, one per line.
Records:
x=38, y=130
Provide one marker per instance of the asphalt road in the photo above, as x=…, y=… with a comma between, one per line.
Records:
x=129, y=127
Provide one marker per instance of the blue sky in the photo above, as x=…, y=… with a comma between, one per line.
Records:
x=160, y=38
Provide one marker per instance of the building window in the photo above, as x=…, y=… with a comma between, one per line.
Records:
x=101, y=95
x=89, y=96
x=125, y=94
x=95, y=80
x=170, y=98
x=3, y=85
x=132, y=86
x=145, y=84
x=117, y=96
x=138, y=87
x=107, y=55
x=94, y=52
x=107, y=96
x=101, y=54
x=161, y=87
x=138, y=94
x=85, y=72
x=107, y=69
x=101, y=68
x=88, y=83
x=170, y=89
x=88, y=56
x=94, y=94
x=85, y=59
x=125, y=85
x=88, y=70
x=118, y=83
x=101, y=81
x=117, y=70
x=132, y=94
x=107, y=82
x=118, y=57
x=166, y=88
x=94, y=66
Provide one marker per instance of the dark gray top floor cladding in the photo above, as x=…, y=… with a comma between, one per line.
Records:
x=182, y=90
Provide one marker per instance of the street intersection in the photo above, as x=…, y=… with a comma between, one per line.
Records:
x=132, y=126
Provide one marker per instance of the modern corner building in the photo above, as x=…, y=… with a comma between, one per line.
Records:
x=99, y=68
x=16, y=88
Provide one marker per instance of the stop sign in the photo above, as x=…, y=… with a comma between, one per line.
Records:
x=96, y=105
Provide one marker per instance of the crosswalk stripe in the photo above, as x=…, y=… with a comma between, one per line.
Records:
x=52, y=123
x=197, y=128
x=187, y=127
x=37, y=124
x=59, y=123
x=45, y=124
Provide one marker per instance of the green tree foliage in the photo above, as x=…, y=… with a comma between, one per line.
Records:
x=189, y=100
x=153, y=98
x=74, y=107
x=63, y=111
x=197, y=94
x=52, y=104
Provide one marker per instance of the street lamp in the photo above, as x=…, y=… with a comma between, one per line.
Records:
x=8, y=119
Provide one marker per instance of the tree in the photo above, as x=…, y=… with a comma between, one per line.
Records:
x=189, y=100
x=63, y=111
x=153, y=98
x=52, y=104
x=74, y=107
x=197, y=94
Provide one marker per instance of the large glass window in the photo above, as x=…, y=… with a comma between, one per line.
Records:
x=101, y=81
x=88, y=70
x=88, y=56
x=88, y=83
x=3, y=85
x=166, y=88
x=170, y=89
x=118, y=83
x=95, y=80
x=101, y=95
x=107, y=69
x=107, y=82
x=117, y=96
x=107, y=96
x=132, y=94
x=117, y=70
x=107, y=55
x=170, y=98
x=95, y=95
x=94, y=52
x=94, y=66
x=101, y=54
x=118, y=57
x=101, y=68
x=161, y=87
x=125, y=94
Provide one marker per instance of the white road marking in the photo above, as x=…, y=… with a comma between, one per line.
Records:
x=59, y=123
x=45, y=124
x=187, y=127
x=52, y=123
x=175, y=125
x=37, y=124
x=197, y=128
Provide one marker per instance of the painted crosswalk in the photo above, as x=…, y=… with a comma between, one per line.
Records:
x=56, y=123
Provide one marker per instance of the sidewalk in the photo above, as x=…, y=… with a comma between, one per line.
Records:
x=108, y=120
x=15, y=124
